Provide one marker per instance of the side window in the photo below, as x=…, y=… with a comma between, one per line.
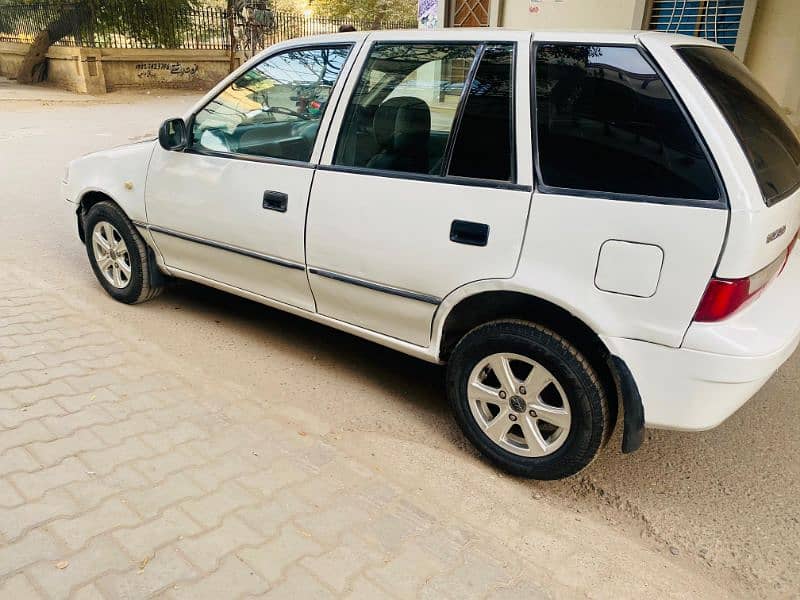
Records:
x=484, y=144
x=607, y=123
x=274, y=109
x=402, y=111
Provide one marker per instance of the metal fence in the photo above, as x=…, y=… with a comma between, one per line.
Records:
x=116, y=24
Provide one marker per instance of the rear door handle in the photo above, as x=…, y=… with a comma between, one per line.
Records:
x=275, y=201
x=467, y=232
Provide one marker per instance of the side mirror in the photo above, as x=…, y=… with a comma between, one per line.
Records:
x=172, y=135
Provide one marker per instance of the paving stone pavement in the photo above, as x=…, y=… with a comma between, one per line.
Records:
x=127, y=473
x=122, y=477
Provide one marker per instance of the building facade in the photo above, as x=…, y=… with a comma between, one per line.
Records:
x=765, y=34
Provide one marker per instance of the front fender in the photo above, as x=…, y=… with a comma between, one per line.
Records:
x=120, y=173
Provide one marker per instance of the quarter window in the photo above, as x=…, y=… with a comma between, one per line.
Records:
x=607, y=123
x=274, y=109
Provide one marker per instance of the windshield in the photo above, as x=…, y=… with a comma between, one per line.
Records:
x=771, y=146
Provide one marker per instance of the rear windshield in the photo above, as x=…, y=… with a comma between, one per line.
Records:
x=768, y=140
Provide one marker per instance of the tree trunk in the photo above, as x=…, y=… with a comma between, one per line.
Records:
x=34, y=64
x=70, y=22
x=231, y=35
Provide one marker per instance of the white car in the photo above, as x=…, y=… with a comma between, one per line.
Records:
x=594, y=228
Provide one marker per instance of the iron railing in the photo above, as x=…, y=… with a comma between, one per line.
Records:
x=115, y=24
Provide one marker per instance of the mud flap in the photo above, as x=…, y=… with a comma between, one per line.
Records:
x=157, y=277
x=633, y=410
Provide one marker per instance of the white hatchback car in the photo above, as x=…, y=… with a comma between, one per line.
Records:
x=586, y=227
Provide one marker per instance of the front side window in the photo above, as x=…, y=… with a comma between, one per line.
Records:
x=769, y=143
x=607, y=123
x=403, y=109
x=274, y=109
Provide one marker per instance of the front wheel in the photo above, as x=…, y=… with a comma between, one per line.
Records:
x=118, y=255
x=527, y=399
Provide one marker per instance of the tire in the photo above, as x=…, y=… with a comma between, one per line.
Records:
x=131, y=286
x=570, y=413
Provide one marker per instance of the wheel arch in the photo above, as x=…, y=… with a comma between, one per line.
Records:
x=460, y=315
x=86, y=201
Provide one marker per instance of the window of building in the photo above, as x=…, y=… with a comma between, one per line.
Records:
x=274, y=109
x=470, y=13
x=769, y=143
x=607, y=123
x=716, y=20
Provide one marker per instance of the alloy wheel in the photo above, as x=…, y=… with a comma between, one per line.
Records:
x=519, y=405
x=111, y=254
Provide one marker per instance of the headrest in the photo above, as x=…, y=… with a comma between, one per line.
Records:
x=400, y=121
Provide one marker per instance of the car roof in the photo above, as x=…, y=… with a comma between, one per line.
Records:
x=494, y=34
x=603, y=36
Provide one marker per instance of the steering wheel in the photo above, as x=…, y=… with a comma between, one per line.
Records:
x=284, y=111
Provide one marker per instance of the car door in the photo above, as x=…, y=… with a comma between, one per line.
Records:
x=232, y=207
x=427, y=185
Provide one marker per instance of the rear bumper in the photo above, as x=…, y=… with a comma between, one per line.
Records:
x=720, y=365
x=693, y=390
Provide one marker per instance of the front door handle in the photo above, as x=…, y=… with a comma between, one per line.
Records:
x=275, y=201
x=467, y=232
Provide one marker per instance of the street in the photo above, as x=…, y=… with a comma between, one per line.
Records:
x=284, y=457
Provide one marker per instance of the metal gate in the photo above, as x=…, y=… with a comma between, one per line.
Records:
x=716, y=20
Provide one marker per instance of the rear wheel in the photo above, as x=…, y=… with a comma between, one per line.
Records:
x=527, y=399
x=118, y=255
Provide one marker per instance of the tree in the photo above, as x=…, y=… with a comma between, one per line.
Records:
x=371, y=11
x=158, y=22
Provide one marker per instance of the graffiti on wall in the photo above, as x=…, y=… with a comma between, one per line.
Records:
x=161, y=70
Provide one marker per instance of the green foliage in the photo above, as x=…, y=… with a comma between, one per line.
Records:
x=366, y=10
x=152, y=22
x=158, y=22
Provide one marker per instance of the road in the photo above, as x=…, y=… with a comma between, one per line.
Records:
x=717, y=509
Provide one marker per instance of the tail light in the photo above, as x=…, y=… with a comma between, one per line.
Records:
x=723, y=297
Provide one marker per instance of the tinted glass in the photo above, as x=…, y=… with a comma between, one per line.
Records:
x=607, y=123
x=274, y=109
x=768, y=141
x=402, y=111
x=485, y=139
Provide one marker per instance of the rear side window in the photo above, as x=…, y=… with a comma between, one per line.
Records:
x=484, y=146
x=402, y=113
x=607, y=123
x=771, y=146
x=434, y=109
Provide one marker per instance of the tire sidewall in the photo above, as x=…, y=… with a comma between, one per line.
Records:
x=585, y=398
x=104, y=211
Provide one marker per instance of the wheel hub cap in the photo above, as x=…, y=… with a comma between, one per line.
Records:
x=517, y=404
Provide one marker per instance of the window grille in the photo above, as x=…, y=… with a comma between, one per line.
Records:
x=716, y=20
